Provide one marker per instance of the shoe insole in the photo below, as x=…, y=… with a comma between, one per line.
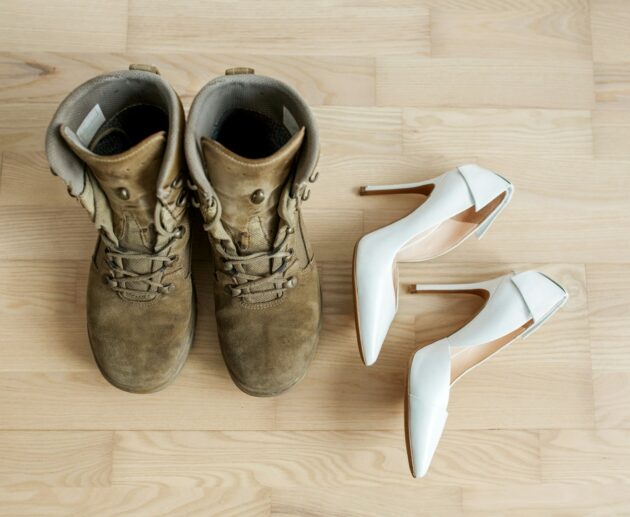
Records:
x=465, y=358
x=251, y=134
x=443, y=236
x=127, y=128
x=446, y=235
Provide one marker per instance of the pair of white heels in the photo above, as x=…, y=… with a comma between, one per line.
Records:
x=459, y=203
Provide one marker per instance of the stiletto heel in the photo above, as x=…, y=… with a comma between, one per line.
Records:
x=516, y=304
x=422, y=187
x=459, y=203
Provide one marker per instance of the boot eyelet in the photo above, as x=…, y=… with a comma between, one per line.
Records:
x=179, y=232
x=232, y=290
x=181, y=199
x=165, y=289
x=291, y=282
x=290, y=230
x=306, y=194
x=177, y=182
x=314, y=177
x=257, y=197
x=122, y=193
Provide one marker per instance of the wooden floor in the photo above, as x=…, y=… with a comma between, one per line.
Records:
x=538, y=90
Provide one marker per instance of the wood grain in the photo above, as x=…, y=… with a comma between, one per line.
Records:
x=63, y=26
x=515, y=30
x=350, y=28
x=322, y=80
x=483, y=82
x=553, y=133
x=403, y=90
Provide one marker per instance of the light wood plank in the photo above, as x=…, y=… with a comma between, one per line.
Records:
x=588, y=457
x=63, y=25
x=516, y=30
x=612, y=399
x=310, y=459
x=609, y=304
x=359, y=130
x=552, y=133
x=136, y=502
x=609, y=25
x=612, y=86
x=352, y=28
x=360, y=502
x=322, y=80
x=35, y=459
x=491, y=83
x=23, y=125
x=203, y=397
x=27, y=180
x=611, y=134
x=545, y=498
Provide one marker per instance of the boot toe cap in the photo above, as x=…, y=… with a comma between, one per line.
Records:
x=270, y=367
x=139, y=367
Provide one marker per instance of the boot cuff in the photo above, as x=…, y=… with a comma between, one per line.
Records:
x=265, y=95
x=103, y=97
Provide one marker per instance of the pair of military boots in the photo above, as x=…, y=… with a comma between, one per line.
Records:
x=121, y=144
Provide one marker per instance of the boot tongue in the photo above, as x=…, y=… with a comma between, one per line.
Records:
x=249, y=191
x=129, y=182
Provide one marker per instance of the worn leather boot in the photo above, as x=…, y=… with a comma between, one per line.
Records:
x=252, y=147
x=117, y=143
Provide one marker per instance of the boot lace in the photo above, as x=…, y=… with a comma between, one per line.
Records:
x=252, y=284
x=243, y=283
x=120, y=275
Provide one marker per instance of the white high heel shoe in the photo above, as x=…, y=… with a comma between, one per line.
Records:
x=460, y=202
x=516, y=305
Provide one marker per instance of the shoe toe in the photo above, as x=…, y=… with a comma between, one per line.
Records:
x=425, y=427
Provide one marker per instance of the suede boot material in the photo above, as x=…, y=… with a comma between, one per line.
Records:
x=140, y=300
x=267, y=292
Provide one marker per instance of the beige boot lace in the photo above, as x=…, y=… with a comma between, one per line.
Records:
x=248, y=283
x=118, y=261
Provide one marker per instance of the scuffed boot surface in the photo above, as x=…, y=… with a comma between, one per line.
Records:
x=252, y=146
x=116, y=141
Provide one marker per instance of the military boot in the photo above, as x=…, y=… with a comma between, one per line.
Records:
x=252, y=148
x=117, y=143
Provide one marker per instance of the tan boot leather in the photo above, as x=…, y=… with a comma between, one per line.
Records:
x=117, y=143
x=252, y=148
